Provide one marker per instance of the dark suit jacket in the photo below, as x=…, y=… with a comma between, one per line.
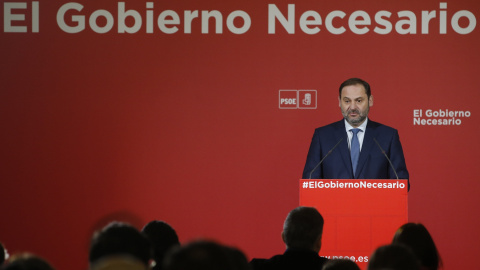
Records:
x=292, y=259
x=372, y=164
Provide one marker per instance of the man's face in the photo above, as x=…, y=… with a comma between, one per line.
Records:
x=355, y=104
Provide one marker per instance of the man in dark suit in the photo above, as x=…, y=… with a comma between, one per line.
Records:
x=302, y=234
x=356, y=143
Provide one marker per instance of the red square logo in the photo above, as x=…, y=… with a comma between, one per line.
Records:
x=287, y=99
x=307, y=99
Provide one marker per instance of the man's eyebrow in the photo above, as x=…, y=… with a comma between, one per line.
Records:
x=357, y=98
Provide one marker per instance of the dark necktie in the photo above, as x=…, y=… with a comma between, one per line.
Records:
x=355, y=149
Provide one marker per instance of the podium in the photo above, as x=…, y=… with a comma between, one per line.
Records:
x=360, y=214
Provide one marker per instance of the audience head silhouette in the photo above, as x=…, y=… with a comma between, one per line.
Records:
x=3, y=254
x=393, y=257
x=205, y=255
x=418, y=239
x=27, y=261
x=303, y=229
x=302, y=234
x=163, y=237
x=119, y=239
x=340, y=264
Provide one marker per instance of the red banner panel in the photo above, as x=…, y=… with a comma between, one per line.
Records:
x=360, y=215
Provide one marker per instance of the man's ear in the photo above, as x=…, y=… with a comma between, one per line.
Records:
x=318, y=245
x=370, y=101
x=283, y=237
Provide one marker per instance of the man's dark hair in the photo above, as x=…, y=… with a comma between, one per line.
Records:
x=163, y=237
x=355, y=81
x=394, y=257
x=302, y=228
x=120, y=239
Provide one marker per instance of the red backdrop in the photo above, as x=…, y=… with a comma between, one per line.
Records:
x=186, y=127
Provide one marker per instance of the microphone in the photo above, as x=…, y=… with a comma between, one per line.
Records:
x=389, y=161
x=321, y=161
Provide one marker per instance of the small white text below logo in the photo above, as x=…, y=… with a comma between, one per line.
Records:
x=439, y=117
x=297, y=99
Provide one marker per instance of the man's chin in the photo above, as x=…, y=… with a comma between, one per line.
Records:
x=355, y=121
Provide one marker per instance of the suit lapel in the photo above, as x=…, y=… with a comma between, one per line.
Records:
x=343, y=147
x=367, y=145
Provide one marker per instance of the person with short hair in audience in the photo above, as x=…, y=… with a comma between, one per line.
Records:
x=418, y=239
x=205, y=255
x=393, y=257
x=302, y=234
x=340, y=264
x=26, y=261
x=3, y=254
x=119, y=245
x=163, y=237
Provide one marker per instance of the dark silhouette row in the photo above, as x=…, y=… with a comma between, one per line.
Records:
x=412, y=248
x=120, y=246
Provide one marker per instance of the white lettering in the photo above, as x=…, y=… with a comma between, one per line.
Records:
x=305, y=23
x=274, y=13
x=79, y=20
x=472, y=22
x=426, y=17
x=93, y=21
x=188, y=17
x=379, y=18
x=329, y=22
x=206, y=15
x=166, y=18
x=310, y=22
x=411, y=22
x=9, y=17
x=247, y=22
x=35, y=17
x=443, y=18
x=353, y=22
x=122, y=15
x=149, y=20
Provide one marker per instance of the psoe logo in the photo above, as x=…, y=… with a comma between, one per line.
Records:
x=297, y=99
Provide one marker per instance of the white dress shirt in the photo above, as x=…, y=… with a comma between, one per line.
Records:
x=360, y=134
